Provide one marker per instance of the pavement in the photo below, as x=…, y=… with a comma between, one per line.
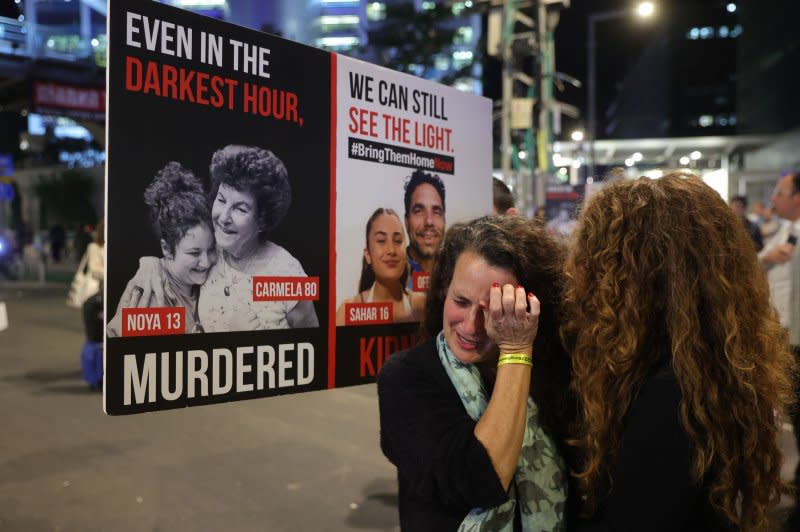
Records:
x=293, y=463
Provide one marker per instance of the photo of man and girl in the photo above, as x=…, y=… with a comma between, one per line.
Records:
x=212, y=245
x=390, y=261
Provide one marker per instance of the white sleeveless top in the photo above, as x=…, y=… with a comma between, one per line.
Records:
x=406, y=300
x=227, y=294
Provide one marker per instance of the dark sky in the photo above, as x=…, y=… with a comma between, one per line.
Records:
x=619, y=43
x=9, y=9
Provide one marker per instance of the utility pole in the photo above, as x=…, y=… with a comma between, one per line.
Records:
x=536, y=38
x=543, y=154
x=509, y=16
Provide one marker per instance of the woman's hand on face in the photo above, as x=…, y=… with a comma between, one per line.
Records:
x=509, y=322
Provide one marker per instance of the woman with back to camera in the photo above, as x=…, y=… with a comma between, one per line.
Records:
x=384, y=270
x=680, y=365
x=472, y=418
x=181, y=219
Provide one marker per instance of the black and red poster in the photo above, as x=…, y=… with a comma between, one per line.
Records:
x=272, y=209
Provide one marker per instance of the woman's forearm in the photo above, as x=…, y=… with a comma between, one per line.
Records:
x=502, y=426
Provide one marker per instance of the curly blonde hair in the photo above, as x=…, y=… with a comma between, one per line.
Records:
x=665, y=262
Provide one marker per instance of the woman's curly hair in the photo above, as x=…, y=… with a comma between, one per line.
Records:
x=661, y=270
x=177, y=203
x=537, y=261
x=258, y=172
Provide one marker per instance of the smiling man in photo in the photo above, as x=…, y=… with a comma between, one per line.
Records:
x=425, y=221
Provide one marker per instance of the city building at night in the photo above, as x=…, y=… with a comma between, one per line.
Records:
x=685, y=79
x=704, y=86
x=345, y=26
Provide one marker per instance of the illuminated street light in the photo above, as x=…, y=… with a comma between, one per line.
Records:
x=684, y=160
x=695, y=155
x=644, y=10
x=731, y=7
x=637, y=156
x=577, y=135
x=522, y=154
x=629, y=162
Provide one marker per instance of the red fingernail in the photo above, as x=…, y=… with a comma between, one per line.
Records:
x=495, y=285
x=519, y=286
x=530, y=294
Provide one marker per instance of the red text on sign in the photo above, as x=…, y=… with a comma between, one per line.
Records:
x=285, y=288
x=363, y=122
x=421, y=281
x=153, y=321
x=368, y=313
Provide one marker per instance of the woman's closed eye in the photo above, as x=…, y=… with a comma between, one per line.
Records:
x=462, y=302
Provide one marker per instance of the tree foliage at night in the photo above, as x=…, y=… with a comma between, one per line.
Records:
x=66, y=198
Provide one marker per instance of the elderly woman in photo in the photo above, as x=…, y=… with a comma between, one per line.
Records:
x=473, y=418
x=251, y=192
x=384, y=270
x=251, y=195
x=181, y=219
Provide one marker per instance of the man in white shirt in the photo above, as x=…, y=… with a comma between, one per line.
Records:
x=781, y=260
x=776, y=257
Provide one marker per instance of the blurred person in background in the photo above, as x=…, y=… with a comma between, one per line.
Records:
x=92, y=313
x=563, y=224
x=615, y=173
x=83, y=236
x=96, y=254
x=739, y=206
x=769, y=223
x=8, y=254
x=540, y=215
x=781, y=261
x=502, y=199
x=756, y=213
x=680, y=365
x=58, y=240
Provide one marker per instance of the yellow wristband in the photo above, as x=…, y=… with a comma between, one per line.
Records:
x=515, y=358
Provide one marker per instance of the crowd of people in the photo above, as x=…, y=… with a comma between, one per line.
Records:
x=634, y=376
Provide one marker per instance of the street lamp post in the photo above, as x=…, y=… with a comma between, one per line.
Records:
x=645, y=9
